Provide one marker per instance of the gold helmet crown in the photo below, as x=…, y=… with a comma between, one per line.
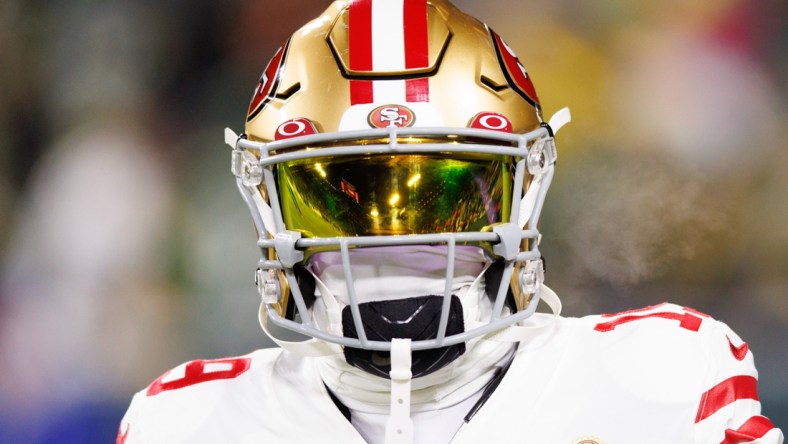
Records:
x=429, y=56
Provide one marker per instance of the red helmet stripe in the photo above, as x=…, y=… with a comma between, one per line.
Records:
x=415, y=30
x=369, y=41
x=361, y=92
x=360, y=45
x=417, y=90
x=416, y=49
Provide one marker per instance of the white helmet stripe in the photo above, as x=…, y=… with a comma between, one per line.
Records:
x=381, y=46
x=388, y=36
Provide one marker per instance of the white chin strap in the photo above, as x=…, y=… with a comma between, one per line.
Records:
x=399, y=427
x=528, y=202
x=512, y=333
x=559, y=119
x=327, y=312
x=249, y=192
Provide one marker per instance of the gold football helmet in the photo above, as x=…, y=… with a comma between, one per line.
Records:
x=390, y=123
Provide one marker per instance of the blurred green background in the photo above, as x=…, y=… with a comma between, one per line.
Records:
x=125, y=248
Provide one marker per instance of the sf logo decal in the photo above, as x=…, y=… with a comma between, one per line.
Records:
x=391, y=115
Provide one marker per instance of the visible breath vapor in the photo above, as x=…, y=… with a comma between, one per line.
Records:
x=623, y=219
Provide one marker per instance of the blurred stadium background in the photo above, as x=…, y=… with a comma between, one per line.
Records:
x=125, y=248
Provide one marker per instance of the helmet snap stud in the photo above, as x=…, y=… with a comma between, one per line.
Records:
x=531, y=276
x=268, y=285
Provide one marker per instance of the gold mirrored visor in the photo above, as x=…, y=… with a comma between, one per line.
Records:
x=400, y=194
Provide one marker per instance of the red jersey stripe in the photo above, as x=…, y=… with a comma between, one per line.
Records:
x=726, y=392
x=752, y=429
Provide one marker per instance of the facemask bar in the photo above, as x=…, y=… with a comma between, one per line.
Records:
x=534, y=153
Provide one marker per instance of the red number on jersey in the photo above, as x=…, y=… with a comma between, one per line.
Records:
x=199, y=371
x=689, y=319
x=122, y=434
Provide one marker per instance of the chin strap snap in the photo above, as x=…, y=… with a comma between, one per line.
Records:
x=399, y=428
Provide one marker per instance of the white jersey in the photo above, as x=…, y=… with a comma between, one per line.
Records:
x=663, y=374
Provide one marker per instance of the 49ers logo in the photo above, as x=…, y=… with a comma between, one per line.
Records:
x=391, y=115
x=269, y=82
x=514, y=71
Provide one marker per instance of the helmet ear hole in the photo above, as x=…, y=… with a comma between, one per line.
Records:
x=492, y=279
x=306, y=285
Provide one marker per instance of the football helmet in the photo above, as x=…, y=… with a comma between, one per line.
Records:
x=382, y=127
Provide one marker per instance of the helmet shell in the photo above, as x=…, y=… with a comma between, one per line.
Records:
x=444, y=66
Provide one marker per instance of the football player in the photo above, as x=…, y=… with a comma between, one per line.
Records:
x=395, y=161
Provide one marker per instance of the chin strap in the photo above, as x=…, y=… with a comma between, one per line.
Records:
x=311, y=348
x=520, y=333
x=559, y=119
x=399, y=427
x=528, y=202
x=513, y=333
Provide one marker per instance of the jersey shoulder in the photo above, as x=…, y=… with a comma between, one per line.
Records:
x=678, y=354
x=259, y=397
x=664, y=373
x=180, y=401
x=682, y=337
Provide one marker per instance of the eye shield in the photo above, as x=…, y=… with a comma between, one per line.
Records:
x=393, y=195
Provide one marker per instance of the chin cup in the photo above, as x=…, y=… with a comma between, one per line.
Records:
x=414, y=318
